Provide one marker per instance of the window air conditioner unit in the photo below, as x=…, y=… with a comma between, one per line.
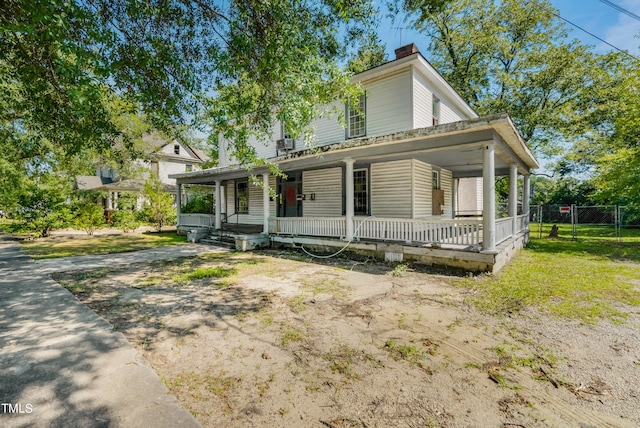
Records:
x=286, y=144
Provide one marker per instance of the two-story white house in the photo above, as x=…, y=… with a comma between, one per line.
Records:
x=411, y=177
x=163, y=158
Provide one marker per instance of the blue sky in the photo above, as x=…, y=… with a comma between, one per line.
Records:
x=592, y=15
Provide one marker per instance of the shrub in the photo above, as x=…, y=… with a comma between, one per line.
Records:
x=88, y=216
x=125, y=217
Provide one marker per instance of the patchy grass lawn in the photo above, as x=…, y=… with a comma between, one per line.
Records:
x=270, y=338
x=587, y=279
x=82, y=245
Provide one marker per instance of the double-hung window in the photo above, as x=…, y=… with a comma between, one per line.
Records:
x=242, y=197
x=356, y=118
x=435, y=179
x=360, y=192
x=435, y=110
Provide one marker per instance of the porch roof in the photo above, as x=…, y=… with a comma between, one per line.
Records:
x=132, y=185
x=455, y=146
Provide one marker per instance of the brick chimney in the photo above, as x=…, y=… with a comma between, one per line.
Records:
x=406, y=50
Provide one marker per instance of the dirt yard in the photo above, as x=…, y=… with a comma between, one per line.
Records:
x=274, y=339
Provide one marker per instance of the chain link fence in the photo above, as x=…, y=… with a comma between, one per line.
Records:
x=572, y=221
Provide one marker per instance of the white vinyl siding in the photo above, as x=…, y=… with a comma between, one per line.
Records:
x=264, y=148
x=403, y=189
x=446, y=184
x=230, y=193
x=469, y=197
x=421, y=189
x=480, y=200
x=326, y=184
x=421, y=102
x=391, y=189
x=423, y=93
x=447, y=113
x=389, y=106
x=328, y=130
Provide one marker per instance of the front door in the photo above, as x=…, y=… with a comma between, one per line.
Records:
x=290, y=203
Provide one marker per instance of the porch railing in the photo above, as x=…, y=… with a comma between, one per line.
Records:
x=196, y=220
x=504, y=229
x=462, y=232
x=313, y=226
x=522, y=222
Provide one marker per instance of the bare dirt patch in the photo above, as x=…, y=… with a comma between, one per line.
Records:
x=268, y=340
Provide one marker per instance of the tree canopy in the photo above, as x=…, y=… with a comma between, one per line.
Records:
x=513, y=56
x=64, y=62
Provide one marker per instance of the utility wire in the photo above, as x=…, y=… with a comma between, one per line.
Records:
x=621, y=9
x=593, y=35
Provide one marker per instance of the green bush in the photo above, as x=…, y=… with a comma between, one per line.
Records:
x=159, y=205
x=201, y=205
x=43, y=208
x=125, y=217
x=125, y=220
x=88, y=216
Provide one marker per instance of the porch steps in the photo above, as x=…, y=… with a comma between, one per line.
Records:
x=220, y=239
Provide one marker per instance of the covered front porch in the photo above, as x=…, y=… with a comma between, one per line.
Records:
x=478, y=149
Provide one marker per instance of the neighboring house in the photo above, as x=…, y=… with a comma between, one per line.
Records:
x=411, y=177
x=163, y=158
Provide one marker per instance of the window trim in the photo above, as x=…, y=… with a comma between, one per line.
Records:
x=435, y=110
x=361, y=116
x=283, y=132
x=435, y=184
x=366, y=192
x=237, y=196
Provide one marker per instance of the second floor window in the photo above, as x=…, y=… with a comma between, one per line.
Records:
x=356, y=120
x=284, y=133
x=435, y=110
x=176, y=149
x=189, y=168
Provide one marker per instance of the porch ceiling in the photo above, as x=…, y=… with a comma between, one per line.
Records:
x=453, y=146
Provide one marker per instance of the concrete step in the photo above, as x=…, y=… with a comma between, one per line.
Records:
x=223, y=241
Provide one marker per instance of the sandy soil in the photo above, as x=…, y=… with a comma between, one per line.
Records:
x=285, y=342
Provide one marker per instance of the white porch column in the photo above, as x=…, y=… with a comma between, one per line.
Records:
x=178, y=201
x=454, y=197
x=349, y=197
x=265, y=202
x=109, y=200
x=526, y=195
x=488, y=199
x=115, y=200
x=513, y=197
x=218, y=198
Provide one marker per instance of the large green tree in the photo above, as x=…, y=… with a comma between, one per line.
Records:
x=514, y=56
x=615, y=152
x=63, y=62
x=59, y=57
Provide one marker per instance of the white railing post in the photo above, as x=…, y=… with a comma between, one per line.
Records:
x=488, y=198
x=218, y=214
x=526, y=194
x=349, y=198
x=513, y=197
x=265, y=203
x=178, y=199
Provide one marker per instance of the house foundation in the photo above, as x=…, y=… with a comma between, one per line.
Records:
x=462, y=258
